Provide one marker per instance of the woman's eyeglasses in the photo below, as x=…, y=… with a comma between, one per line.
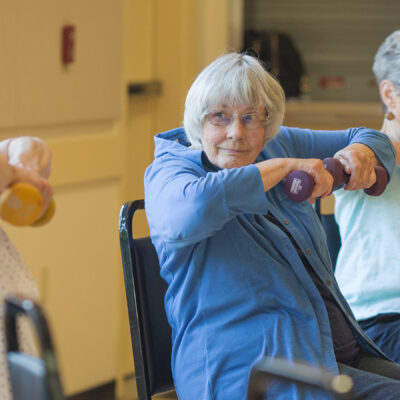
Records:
x=248, y=120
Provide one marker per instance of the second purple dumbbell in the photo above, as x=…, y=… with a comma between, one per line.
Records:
x=300, y=184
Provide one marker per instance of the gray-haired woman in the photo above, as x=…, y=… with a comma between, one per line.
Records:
x=368, y=267
x=248, y=269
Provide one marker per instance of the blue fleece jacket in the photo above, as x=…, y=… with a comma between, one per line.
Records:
x=237, y=289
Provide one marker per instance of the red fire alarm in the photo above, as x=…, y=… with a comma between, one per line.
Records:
x=67, y=44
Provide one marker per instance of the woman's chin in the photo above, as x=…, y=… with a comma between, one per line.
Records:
x=233, y=164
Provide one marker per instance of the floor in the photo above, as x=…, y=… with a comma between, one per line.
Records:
x=130, y=387
x=107, y=392
x=104, y=392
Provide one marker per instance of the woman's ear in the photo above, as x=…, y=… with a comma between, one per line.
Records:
x=388, y=94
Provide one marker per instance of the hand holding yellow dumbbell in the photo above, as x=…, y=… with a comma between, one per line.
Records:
x=22, y=204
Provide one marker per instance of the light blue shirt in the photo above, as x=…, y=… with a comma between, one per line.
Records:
x=237, y=289
x=368, y=265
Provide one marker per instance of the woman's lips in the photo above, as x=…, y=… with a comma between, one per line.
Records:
x=233, y=151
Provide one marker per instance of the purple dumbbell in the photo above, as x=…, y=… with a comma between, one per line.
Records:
x=300, y=184
x=335, y=168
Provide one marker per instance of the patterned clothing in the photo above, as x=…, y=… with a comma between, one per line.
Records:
x=14, y=278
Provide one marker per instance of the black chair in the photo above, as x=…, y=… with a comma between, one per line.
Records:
x=151, y=333
x=32, y=378
x=145, y=290
x=331, y=230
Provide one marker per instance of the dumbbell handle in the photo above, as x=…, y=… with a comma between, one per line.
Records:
x=300, y=184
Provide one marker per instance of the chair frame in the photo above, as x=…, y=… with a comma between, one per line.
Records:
x=136, y=323
x=135, y=302
x=16, y=305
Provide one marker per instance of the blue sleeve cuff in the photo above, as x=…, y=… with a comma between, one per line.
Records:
x=383, y=148
x=244, y=190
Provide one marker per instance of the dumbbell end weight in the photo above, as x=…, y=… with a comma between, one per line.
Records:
x=381, y=182
x=299, y=185
x=47, y=216
x=21, y=205
x=335, y=168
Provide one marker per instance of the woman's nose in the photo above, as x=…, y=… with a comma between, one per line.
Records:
x=235, y=130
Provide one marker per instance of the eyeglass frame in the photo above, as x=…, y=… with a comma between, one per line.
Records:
x=233, y=116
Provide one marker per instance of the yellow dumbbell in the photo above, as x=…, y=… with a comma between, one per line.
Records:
x=21, y=204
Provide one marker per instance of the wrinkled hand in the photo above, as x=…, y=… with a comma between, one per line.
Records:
x=7, y=173
x=358, y=161
x=396, y=145
x=322, y=178
x=30, y=153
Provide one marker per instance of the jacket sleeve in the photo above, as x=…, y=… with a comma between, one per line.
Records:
x=185, y=204
x=305, y=143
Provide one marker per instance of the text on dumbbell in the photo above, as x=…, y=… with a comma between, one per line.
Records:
x=296, y=186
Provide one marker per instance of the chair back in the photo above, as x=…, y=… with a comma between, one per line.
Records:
x=145, y=291
x=331, y=230
x=32, y=378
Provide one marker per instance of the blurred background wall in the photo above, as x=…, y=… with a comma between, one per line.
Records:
x=337, y=40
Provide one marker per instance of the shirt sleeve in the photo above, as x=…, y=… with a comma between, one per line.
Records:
x=305, y=143
x=185, y=205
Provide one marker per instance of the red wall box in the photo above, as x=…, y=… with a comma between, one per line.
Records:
x=67, y=44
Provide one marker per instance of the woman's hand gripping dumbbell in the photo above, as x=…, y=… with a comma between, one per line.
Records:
x=26, y=196
x=299, y=185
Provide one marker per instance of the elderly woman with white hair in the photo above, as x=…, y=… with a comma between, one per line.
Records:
x=368, y=267
x=248, y=269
